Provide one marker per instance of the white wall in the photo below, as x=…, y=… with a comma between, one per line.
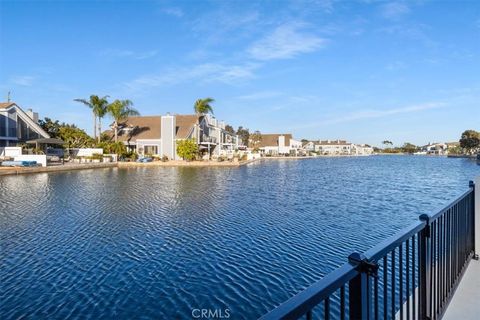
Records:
x=86, y=152
x=10, y=151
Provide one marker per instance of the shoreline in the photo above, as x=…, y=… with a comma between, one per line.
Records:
x=7, y=171
x=182, y=163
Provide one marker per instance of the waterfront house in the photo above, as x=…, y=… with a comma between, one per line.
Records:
x=309, y=145
x=17, y=126
x=158, y=135
x=279, y=144
x=362, y=150
x=435, y=149
x=334, y=147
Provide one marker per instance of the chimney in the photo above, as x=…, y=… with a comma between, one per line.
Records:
x=32, y=115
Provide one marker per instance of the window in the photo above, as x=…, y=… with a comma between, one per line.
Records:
x=3, y=126
x=150, y=149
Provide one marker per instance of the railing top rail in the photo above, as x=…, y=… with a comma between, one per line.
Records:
x=384, y=247
x=308, y=298
x=442, y=211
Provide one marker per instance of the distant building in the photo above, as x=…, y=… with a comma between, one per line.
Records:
x=158, y=135
x=334, y=147
x=362, y=150
x=341, y=147
x=279, y=144
x=309, y=145
x=18, y=126
x=435, y=149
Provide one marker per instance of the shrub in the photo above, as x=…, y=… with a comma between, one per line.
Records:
x=187, y=149
x=96, y=156
x=113, y=147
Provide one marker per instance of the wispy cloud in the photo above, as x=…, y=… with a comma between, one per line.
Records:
x=174, y=11
x=373, y=114
x=26, y=81
x=312, y=6
x=260, y=95
x=286, y=41
x=226, y=24
x=117, y=53
x=394, y=10
x=206, y=73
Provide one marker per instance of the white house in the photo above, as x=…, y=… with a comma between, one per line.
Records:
x=362, y=150
x=334, y=147
x=17, y=126
x=436, y=149
x=341, y=147
x=279, y=144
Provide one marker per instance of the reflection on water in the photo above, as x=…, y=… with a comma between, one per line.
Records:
x=158, y=242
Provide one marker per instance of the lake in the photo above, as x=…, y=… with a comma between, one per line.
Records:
x=156, y=243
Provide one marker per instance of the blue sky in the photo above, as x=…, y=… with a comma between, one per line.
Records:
x=363, y=71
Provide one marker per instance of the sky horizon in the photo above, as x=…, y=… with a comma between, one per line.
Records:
x=364, y=71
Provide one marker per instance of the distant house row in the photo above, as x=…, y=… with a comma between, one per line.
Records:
x=158, y=135
x=337, y=147
x=281, y=144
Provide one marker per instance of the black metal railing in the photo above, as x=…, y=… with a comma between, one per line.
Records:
x=412, y=275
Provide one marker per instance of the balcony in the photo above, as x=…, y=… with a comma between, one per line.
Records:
x=208, y=139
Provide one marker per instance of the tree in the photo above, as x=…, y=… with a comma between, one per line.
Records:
x=75, y=137
x=387, y=142
x=230, y=129
x=409, y=147
x=120, y=110
x=202, y=106
x=99, y=109
x=255, y=139
x=470, y=141
x=187, y=149
x=118, y=148
x=244, y=135
x=51, y=127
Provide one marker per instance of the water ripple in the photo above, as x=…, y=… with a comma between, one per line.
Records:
x=154, y=243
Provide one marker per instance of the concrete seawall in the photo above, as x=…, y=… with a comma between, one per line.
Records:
x=83, y=166
x=57, y=168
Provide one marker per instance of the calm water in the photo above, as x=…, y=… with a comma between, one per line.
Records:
x=155, y=243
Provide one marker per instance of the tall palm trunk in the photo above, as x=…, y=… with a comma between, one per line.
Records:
x=115, y=128
x=99, y=129
x=94, y=125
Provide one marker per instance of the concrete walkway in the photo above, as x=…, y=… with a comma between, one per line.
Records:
x=465, y=303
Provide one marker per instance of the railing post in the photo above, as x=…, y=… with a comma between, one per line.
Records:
x=424, y=269
x=359, y=288
x=476, y=216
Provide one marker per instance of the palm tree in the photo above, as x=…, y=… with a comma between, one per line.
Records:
x=120, y=110
x=99, y=109
x=203, y=106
